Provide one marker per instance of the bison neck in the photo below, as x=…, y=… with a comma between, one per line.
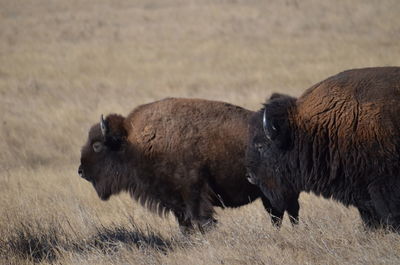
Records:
x=135, y=175
x=321, y=163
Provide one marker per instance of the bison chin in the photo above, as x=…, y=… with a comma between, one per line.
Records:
x=103, y=193
x=275, y=197
x=104, y=196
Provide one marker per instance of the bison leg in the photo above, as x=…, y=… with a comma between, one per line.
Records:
x=202, y=213
x=370, y=218
x=385, y=197
x=185, y=225
x=293, y=208
x=276, y=216
x=199, y=207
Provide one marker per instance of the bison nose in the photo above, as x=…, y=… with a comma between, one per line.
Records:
x=80, y=172
x=251, y=178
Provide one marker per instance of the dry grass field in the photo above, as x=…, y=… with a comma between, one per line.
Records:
x=63, y=63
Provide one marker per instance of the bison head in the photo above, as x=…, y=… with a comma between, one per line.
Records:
x=103, y=155
x=269, y=140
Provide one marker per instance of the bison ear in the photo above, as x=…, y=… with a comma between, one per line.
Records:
x=113, y=131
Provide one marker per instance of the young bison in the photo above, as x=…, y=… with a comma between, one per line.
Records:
x=178, y=155
x=340, y=139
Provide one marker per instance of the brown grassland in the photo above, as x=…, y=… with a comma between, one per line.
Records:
x=63, y=63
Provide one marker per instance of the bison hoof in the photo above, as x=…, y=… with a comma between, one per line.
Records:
x=186, y=230
x=207, y=225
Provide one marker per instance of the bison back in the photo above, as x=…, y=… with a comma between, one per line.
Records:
x=184, y=136
x=350, y=125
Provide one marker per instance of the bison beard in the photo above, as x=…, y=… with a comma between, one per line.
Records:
x=340, y=139
x=180, y=155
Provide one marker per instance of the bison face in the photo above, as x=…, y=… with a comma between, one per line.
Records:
x=102, y=154
x=269, y=142
x=255, y=154
x=261, y=164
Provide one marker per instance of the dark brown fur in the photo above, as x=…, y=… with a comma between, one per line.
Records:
x=340, y=139
x=179, y=155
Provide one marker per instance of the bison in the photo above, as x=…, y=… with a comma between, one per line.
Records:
x=176, y=155
x=340, y=140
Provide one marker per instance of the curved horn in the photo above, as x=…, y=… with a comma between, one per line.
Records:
x=265, y=125
x=267, y=128
x=103, y=126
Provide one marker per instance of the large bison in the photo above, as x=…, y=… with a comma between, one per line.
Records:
x=178, y=155
x=340, y=139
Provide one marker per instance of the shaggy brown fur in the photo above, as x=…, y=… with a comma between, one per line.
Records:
x=179, y=155
x=341, y=139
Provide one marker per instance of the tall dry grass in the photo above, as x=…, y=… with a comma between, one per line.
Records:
x=63, y=63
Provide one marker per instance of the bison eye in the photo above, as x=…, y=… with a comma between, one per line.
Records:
x=259, y=147
x=97, y=146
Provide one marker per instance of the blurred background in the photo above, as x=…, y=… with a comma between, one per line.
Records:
x=63, y=63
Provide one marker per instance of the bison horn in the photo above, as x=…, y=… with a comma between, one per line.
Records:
x=266, y=127
x=103, y=126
